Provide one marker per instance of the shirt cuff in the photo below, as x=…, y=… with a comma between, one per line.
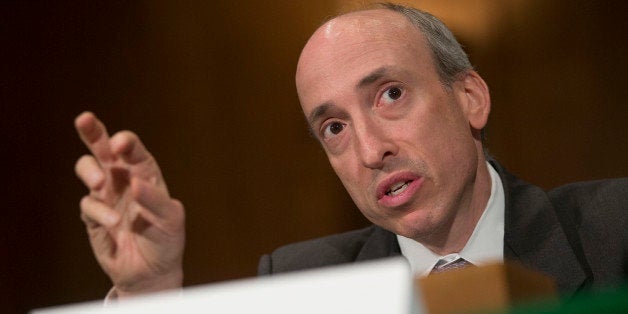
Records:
x=111, y=297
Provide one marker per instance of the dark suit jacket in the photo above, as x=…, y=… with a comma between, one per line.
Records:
x=574, y=233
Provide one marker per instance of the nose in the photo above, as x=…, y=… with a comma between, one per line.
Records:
x=373, y=144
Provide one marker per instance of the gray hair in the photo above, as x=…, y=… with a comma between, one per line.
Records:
x=450, y=58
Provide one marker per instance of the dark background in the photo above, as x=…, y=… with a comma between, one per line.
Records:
x=208, y=85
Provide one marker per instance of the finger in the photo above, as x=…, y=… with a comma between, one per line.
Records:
x=128, y=145
x=90, y=172
x=95, y=213
x=94, y=135
x=155, y=199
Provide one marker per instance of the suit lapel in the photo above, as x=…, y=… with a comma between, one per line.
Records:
x=534, y=236
x=381, y=243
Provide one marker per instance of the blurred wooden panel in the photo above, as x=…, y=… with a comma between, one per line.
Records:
x=209, y=87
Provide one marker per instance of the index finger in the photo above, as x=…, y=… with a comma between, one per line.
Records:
x=94, y=134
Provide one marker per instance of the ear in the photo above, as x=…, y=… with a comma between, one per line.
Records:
x=474, y=99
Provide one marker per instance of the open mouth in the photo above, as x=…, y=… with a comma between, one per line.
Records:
x=398, y=188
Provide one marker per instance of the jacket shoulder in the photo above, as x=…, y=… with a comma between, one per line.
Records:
x=605, y=200
x=325, y=251
x=599, y=212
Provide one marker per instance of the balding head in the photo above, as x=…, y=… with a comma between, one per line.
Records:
x=356, y=38
x=402, y=136
x=446, y=53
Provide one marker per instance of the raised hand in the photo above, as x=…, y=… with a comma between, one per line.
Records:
x=135, y=228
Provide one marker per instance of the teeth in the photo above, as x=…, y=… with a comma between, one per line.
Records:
x=397, y=188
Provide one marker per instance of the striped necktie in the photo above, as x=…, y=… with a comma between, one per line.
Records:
x=443, y=265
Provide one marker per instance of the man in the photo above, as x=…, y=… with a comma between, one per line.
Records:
x=399, y=111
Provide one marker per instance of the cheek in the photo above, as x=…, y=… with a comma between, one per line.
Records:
x=348, y=171
x=443, y=139
x=446, y=130
x=344, y=170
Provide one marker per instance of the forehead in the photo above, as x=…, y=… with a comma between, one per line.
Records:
x=348, y=48
x=370, y=23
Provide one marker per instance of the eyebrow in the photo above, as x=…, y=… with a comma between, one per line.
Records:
x=371, y=77
x=365, y=81
x=317, y=113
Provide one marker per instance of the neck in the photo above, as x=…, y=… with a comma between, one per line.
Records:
x=453, y=237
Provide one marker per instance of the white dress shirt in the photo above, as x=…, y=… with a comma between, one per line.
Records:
x=485, y=245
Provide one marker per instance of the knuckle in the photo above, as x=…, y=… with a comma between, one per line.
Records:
x=85, y=218
x=89, y=223
x=177, y=205
x=84, y=203
x=179, y=209
x=85, y=210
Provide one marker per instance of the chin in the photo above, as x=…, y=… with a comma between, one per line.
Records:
x=415, y=233
x=419, y=224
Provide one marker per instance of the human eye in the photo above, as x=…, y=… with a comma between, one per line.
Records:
x=391, y=94
x=332, y=129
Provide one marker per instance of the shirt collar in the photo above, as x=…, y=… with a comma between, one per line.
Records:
x=485, y=245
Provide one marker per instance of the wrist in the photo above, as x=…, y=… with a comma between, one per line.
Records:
x=170, y=281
